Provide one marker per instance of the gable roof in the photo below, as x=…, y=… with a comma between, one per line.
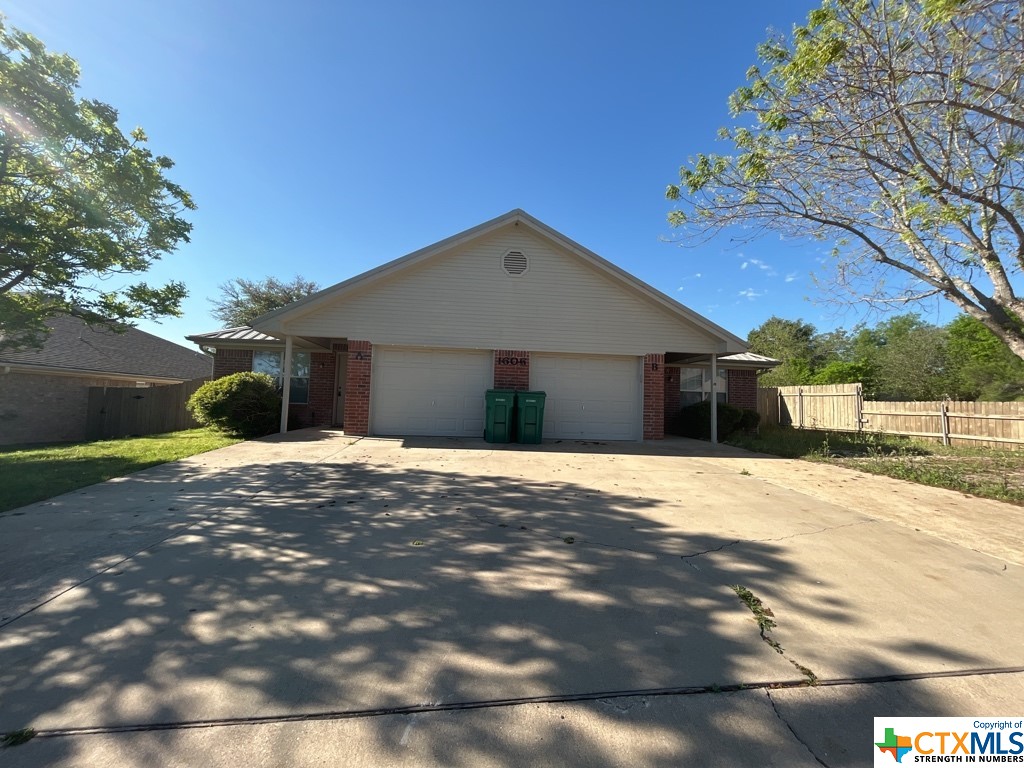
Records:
x=75, y=346
x=274, y=322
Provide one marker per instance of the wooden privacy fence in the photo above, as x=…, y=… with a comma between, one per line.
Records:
x=127, y=411
x=842, y=407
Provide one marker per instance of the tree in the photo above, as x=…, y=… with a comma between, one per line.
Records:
x=846, y=372
x=906, y=358
x=980, y=365
x=795, y=343
x=79, y=201
x=894, y=129
x=242, y=301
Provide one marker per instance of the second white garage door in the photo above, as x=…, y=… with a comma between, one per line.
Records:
x=429, y=391
x=589, y=398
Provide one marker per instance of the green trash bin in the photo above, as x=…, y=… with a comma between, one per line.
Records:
x=530, y=416
x=498, y=417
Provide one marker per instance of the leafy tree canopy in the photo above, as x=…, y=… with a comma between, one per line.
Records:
x=797, y=344
x=901, y=358
x=893, y=129
x=80, y=202
x=241, y=301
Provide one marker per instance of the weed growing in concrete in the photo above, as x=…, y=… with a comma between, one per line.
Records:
x=15, y=738
x=761, y=612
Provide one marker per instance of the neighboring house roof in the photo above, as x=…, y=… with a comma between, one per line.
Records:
x=275, y=322
x=75, y=346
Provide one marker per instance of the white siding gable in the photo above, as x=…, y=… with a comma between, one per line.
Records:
x=463, y=298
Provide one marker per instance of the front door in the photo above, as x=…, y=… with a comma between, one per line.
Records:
x=339, y=382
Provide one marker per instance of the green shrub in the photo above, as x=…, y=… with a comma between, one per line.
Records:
x=695, y=421
x=242, y=404
x=750, y=420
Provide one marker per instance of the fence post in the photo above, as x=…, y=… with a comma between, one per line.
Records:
x=944, y=411
x=800, y=406
x=858, y=409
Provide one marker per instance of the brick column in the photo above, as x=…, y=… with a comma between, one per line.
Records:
x=511, y=369
x=743, y=388
x=228, y=361
x=654, y=396
x=322, y=369
x=672, y=399
x=357, y=388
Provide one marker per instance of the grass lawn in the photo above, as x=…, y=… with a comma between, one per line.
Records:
x=32, y=473
x=984, y=472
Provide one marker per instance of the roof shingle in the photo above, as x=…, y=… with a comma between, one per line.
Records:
x=74, y=345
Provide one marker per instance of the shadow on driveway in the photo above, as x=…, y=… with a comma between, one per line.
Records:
x=350, y=586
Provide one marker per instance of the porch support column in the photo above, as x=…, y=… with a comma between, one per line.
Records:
x=654, y=396
x=714, y=399
x=286, y=382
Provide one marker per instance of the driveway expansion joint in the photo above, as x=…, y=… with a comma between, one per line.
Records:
x=603, y=697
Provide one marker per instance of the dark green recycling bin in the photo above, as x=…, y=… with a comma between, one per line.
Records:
x=530, y=416
x=498, y=415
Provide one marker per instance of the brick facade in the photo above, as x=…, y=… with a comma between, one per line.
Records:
x=743, y=388
x=511, y=369
x=654, y=397
x=228, y=361
x=46, y=409
x=672, y=399
x=319, y=411
x=357, y=388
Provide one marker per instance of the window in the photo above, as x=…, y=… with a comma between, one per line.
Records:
x=695, y=385
x=270, y=364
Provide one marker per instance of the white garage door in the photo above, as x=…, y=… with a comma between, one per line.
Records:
x=429, y=391
x=590, y=398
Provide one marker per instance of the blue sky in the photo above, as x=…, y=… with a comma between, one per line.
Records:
x=325, y=138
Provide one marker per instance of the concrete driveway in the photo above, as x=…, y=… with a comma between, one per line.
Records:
x=319, y=599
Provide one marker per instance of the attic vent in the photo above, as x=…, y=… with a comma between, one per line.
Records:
x=515, y=263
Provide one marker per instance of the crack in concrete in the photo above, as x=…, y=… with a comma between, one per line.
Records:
x=792, y=730
x=766, y=623
x=656, y=553
x=777, y=538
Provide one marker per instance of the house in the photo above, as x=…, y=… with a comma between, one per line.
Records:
x=44, y=393
x=409, y=348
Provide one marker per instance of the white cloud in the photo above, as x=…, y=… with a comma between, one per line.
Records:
x=751, y=294
x=695, y=276
x=764, y=267
x=744, y=265
x=791, y=277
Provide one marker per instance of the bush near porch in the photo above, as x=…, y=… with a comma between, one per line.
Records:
x=695, y=421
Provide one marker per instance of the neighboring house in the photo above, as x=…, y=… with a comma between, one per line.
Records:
x=44, y=393
x=409, y=348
